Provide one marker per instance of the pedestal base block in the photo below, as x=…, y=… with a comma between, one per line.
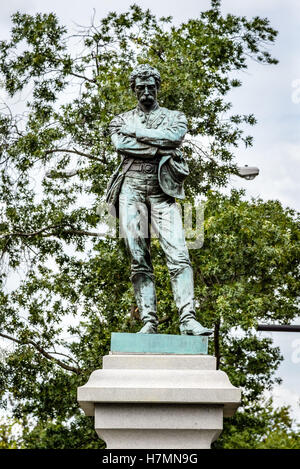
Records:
x=158, y=401
x=158, y=426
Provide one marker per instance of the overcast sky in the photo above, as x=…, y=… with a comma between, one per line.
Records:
x=271, y=93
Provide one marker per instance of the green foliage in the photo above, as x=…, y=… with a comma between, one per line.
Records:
x=10, y=437
x=260, y=428
x=55, y=161
x=77, y=434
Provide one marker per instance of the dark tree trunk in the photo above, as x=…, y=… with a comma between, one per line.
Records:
x=217, y=342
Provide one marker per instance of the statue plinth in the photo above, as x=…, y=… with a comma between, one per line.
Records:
x=158, y=344
x=159, y=401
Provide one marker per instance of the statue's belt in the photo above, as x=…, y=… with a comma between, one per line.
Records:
x=147, y=167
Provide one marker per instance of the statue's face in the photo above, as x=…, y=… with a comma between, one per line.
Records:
x=146, y=91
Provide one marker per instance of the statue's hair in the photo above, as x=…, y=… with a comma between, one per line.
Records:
x=144, y=71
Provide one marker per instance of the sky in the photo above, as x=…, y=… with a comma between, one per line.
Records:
x=270, y=92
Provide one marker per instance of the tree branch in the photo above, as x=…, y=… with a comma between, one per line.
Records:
x=72, y=230
x=164, y=319
x=78, y=232
x=27, y=235
x=76, y=152
x=23, y=234
x=43, y=352
x=91, y=80
x=53, y=174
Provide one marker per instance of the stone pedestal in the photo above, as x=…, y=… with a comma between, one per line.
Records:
x=158, y=401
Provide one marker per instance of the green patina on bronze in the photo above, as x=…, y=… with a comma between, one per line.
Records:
x=149, y=178
x=158, y=343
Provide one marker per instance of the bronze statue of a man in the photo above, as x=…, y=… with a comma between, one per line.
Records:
x=143, y=191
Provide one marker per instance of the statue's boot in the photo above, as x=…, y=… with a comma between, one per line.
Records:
x=149, y=328
x=183, y=290
x=144, y=290
x=190, y=326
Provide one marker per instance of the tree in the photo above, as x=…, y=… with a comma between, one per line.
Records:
x=248, y=272
x=55, y=162
x=10, y=437
x=265, y=428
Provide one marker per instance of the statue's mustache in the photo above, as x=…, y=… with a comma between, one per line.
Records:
x=146, y=96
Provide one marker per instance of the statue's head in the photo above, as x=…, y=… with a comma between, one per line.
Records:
x=145, y=83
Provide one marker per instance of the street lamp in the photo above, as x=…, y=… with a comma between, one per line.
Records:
x=248, y=172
